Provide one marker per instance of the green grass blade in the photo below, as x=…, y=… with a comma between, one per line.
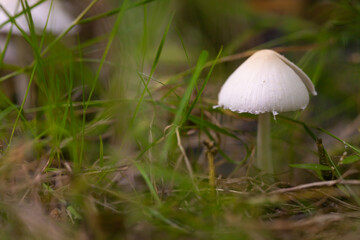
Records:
x=204, y=84
x=183, y=46
x=355, y=149
x=106, y=51
x=310, y=166
x=101, y=161
x=180, y=118
x=22, y=105
x=19, y=14
x=351, y=159
x=74, y=23
x=114, y=11
x=147, y=181
x=153, y=68
x=206, y=125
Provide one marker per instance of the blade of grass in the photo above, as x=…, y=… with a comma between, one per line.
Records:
x=179, y=118
x=16, y=108
x=106, y=51
x=22, y=105
x=153, y=68
x=32, y=40
x=23, y=33
x=101, y=161
x=3, y=51
x=144, y=38
x=113, y=12
x=307, y=128
x=351, y=159
x=147, y=181
x=355, y=149
x=310, y=166
x=46, y=24
x=204, y=84
x=73, y=24
x=183, y=46
x=346, y=189
x=19, y=14
x=207, y=125
x=6, y=111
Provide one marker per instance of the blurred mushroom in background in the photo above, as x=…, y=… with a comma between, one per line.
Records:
x=47, y=16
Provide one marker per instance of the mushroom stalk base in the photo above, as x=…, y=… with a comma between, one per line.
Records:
x=263, y=157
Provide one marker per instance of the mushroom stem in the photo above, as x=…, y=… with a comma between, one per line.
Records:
x=264, y=161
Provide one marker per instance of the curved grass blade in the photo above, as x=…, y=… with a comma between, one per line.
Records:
x=179, y=118
x=204, y=84
x=147, y=181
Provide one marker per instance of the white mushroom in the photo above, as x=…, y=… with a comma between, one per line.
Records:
x=266, y=83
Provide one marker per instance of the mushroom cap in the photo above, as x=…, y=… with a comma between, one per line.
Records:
x=59, y=19
x=266, y=82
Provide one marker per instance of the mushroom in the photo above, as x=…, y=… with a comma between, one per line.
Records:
x=50, y=14
x=266, y=83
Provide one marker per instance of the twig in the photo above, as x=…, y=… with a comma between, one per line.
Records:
x=278, y=49
x=317, y=184
x=210, y=152
x=231, y=191
x=340, y=202
x=186, y=159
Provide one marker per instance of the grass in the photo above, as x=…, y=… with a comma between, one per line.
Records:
x=120, y=127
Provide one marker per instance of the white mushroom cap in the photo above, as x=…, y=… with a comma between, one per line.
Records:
x=266, y=82
x=59, y=18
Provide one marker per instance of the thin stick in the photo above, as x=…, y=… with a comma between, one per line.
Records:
x=210, y=158
x=317, y=184
x=186, y=159
x=210, y=152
